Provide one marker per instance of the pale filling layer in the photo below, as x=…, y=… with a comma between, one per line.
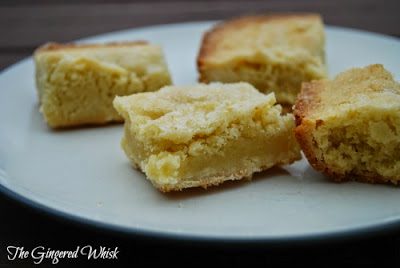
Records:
x=235, y=152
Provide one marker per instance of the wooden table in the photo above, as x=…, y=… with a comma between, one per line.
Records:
x=24, y=25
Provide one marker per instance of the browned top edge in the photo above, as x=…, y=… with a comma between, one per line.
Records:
x=209, y=39
x=307, y=100
x=53, y=46
x=306, y=104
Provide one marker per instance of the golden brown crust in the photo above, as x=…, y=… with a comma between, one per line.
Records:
x=52, y=46
x=211, y=38
x=306, y=103
x=308, y=99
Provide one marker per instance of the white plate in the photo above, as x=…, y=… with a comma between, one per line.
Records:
x=84, y=175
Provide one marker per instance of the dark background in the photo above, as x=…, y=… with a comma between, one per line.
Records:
x=24, y=25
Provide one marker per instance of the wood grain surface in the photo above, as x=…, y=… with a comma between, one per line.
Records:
x=24, y=25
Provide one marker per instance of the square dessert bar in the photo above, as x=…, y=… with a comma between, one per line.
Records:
x=202, y=135
x=77, y=83
x=349, y=127
x=274, y=53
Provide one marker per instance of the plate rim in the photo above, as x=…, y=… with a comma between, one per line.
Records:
x=324, y=237
x=372, y=229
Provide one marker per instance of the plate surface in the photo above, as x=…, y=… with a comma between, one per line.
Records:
x=83, y=174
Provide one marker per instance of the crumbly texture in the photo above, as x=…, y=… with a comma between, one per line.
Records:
x=202, y=135
x=275, y=53
x=349, y=127
x=77, y=83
